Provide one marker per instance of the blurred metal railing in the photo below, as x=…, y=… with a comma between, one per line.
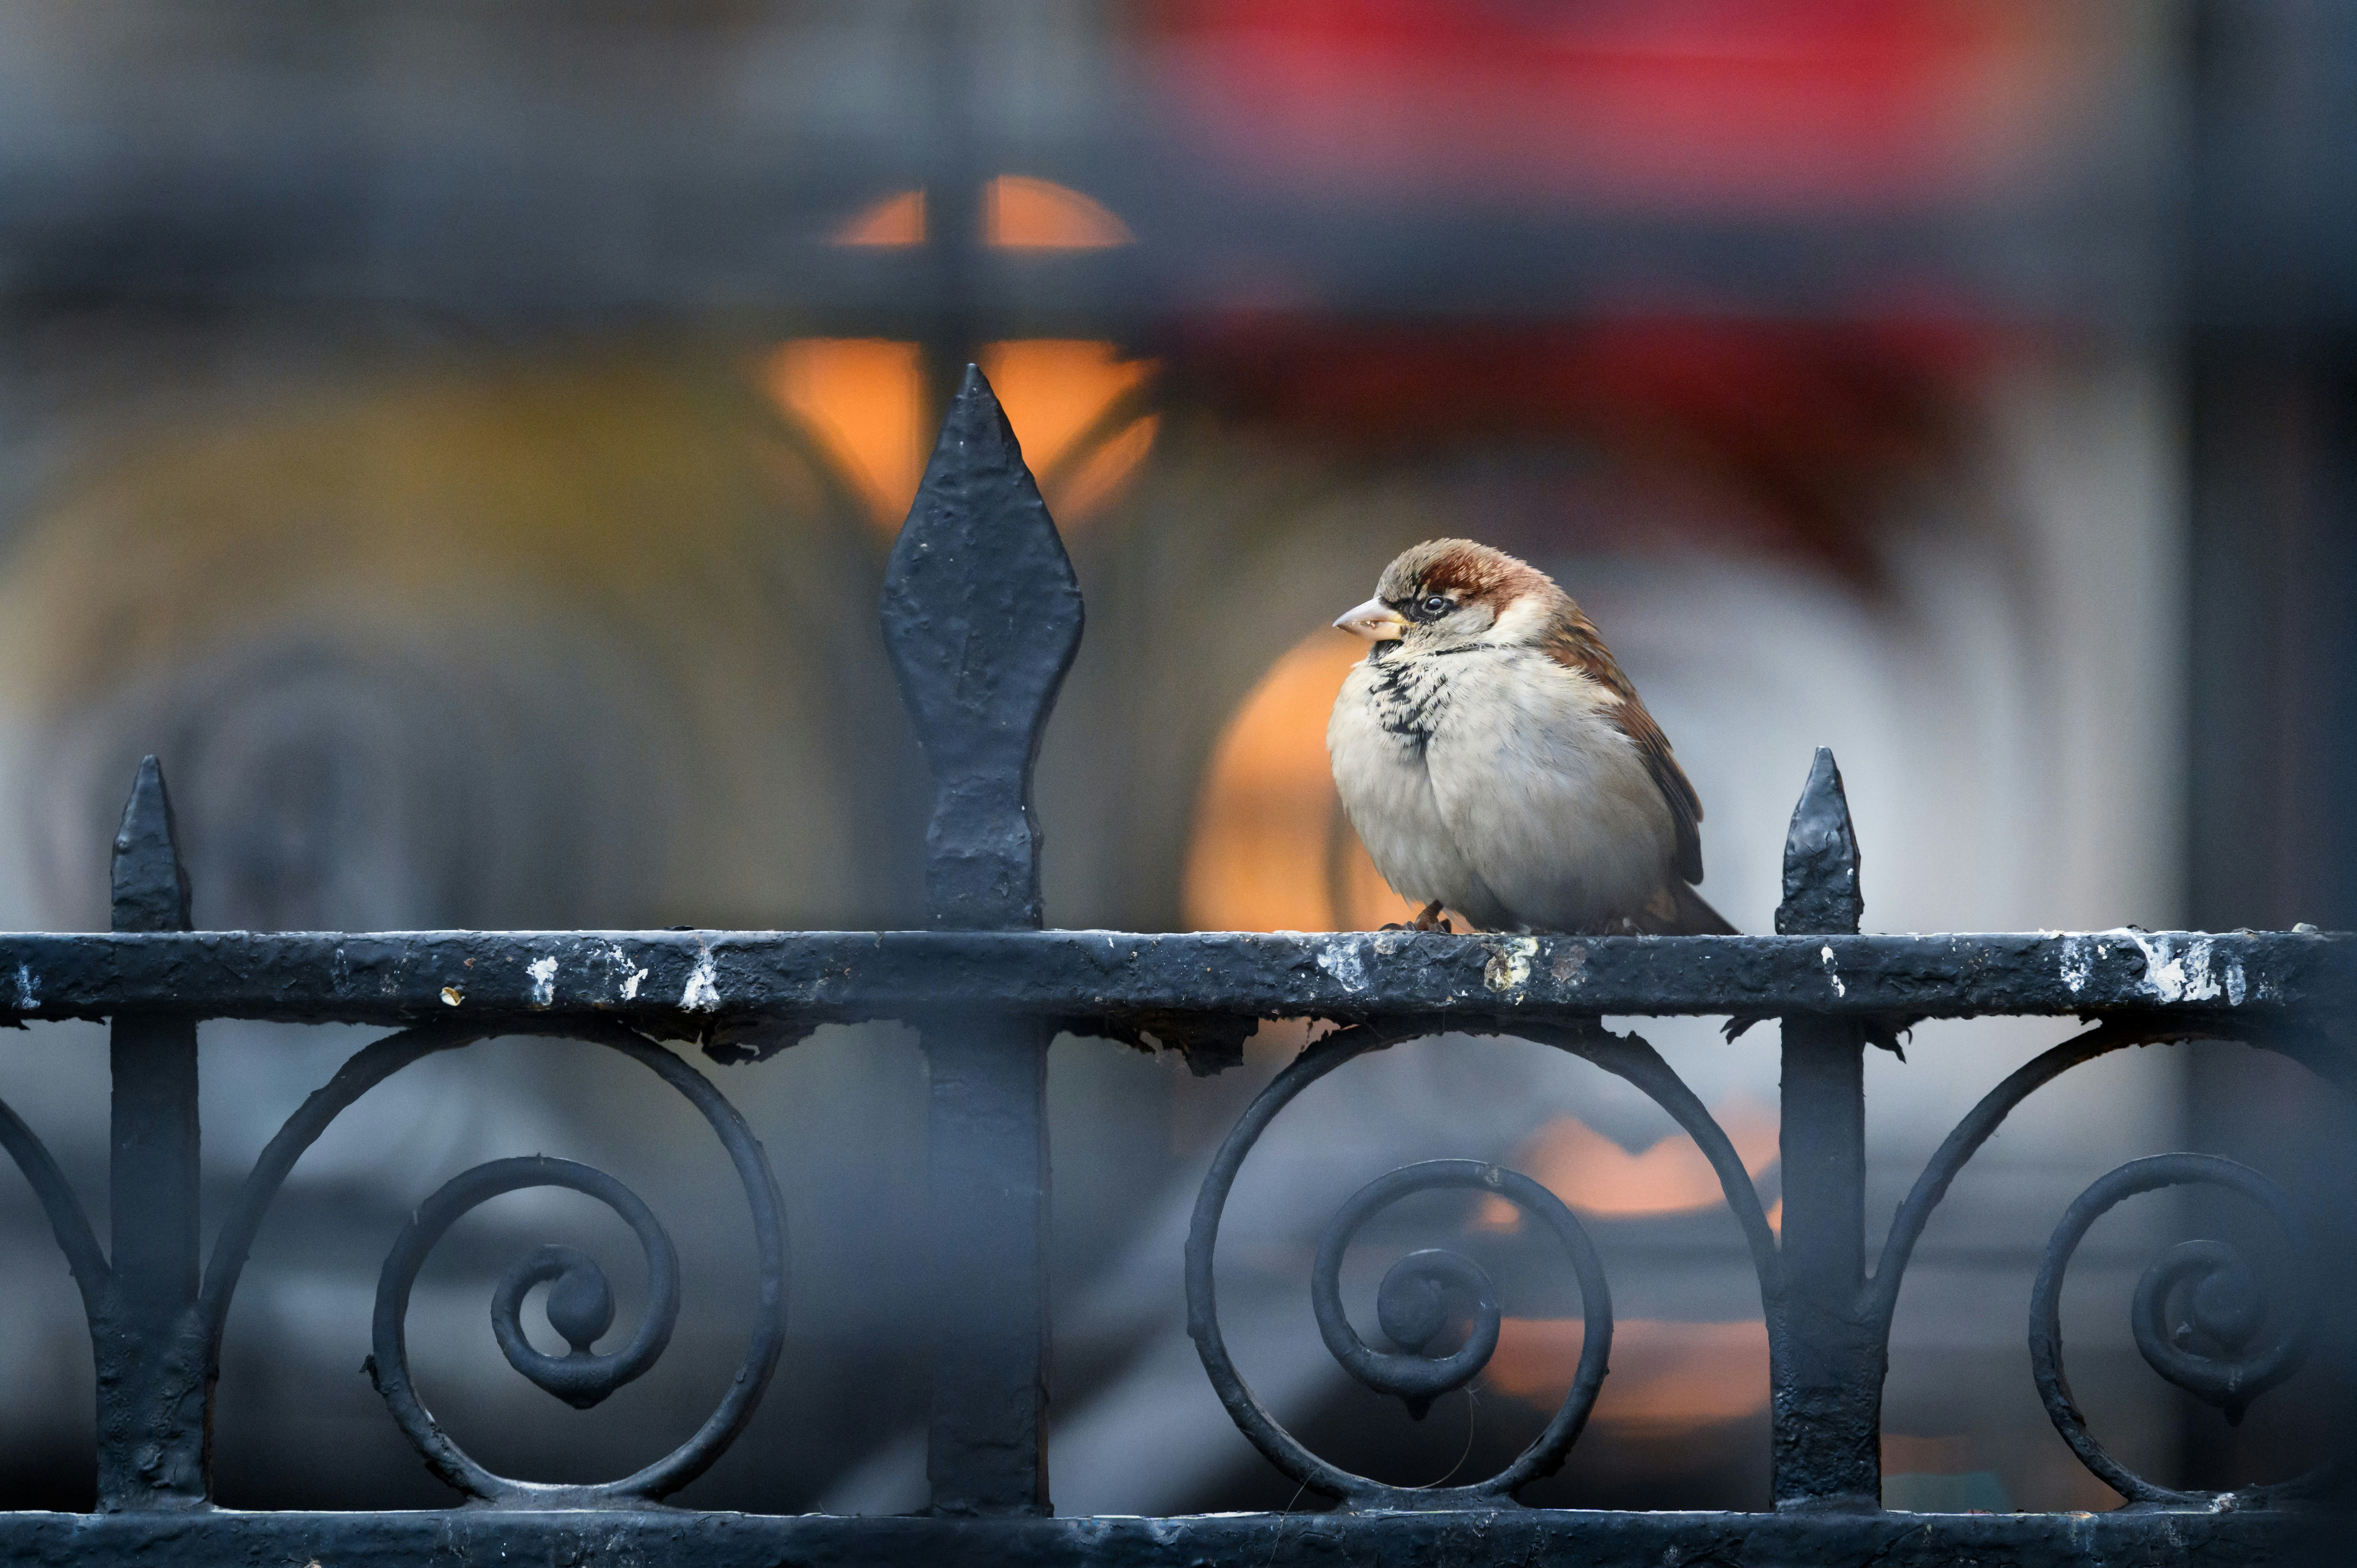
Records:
x=983, y=617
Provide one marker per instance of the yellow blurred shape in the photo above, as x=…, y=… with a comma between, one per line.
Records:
x=1666, y=1376
x=1268, y=812
x=1596, y=1176
x=898, y=219
x=1019, y=212
x=863, y=399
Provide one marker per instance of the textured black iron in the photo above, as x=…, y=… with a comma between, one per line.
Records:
x=69, y=1223
x=1821, y=887
x=1827, y=1357
x=154, y=1380
x=693, y=985
x=375, y=1063
x=982, y=616
x=1415, y=1379
x=1411, y=1302
x=2223, y=1308
x=2230, y=1381
x=580, y=1303
x=1522, y=1539
x=988, y=1176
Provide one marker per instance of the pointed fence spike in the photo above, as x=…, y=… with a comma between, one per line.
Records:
x=1821, y=891
x=155, y=1372
x=151, y=886
x=982, y=618
x=1826, y=1363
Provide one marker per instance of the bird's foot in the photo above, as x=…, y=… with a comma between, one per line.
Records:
x=1429, y=919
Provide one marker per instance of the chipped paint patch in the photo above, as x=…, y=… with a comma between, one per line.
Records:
x=1345, y=962
x=703, y=992
x=2078, y=964
x=1509, y=967
x=630, y=976
x=1826, y=954
x=543, y=981
x=452, y=996
x=2236, y=987
x=2174, y=976
x=1570, y=965
x=29, y=990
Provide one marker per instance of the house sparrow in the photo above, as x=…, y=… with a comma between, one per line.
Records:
x=1496, y=762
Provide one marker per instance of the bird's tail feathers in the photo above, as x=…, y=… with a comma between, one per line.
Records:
x=1695, y=917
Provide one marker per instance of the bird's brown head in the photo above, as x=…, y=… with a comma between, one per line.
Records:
x=1446, y=592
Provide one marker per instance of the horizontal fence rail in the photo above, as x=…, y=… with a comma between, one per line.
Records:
x=982, y=618
x=693, y=983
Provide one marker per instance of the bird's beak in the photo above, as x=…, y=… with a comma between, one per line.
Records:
x=1374, y=620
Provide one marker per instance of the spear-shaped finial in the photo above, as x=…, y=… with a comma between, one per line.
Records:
x=151, y=886
x=1820, y=892
x=982, y=616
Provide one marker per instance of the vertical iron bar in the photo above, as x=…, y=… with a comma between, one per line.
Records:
x=951, y=339
x=154, y=1383
x=988, y=1168
x=982, y=616
x=956, y=171
x=1828, y=1360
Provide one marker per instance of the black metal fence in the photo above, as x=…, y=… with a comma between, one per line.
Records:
x=983, y=617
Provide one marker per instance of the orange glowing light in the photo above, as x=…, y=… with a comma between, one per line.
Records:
x=862, y=398
x=1085, y=489
x=1056, y=392
x=1071, y=401
x=898, y=219
x=1021, y=213
x=1269, y=813
x=1018, y=213
x=1667, y=1377
x=1597, y=1176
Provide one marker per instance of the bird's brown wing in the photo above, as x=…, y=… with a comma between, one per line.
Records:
x=1572, y=642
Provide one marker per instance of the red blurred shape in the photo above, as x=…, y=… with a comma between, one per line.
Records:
x=1762, y=105
x=1807, y=419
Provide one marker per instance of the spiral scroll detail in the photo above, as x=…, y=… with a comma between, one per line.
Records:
x=2198, y=1294
x=1413, y=1303
x=580, y=1302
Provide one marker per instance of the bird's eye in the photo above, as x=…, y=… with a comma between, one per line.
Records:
x=1437, y=604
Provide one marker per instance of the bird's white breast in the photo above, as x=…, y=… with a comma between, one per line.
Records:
x=1377, y=739
x=1494, y=780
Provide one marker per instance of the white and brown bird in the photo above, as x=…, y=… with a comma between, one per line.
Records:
x=1496, y=762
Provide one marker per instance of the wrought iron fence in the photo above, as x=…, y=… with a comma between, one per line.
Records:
x=982, y=616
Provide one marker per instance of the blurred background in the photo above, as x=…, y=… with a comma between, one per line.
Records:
x=463, y=441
